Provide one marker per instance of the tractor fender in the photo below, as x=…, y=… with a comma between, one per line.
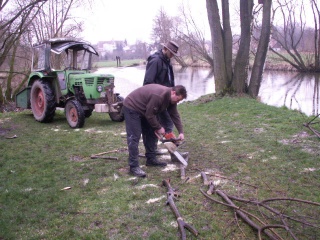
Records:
x=50, y=79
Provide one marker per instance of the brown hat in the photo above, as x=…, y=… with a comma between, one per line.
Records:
x=172, y=47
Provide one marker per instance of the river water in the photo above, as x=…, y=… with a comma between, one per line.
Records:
x=293, y=90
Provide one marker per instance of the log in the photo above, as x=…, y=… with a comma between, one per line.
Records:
x=171, y=194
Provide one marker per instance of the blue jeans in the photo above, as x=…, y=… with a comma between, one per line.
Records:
x=135, y=126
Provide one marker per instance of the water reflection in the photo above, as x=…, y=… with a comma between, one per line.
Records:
x=293, y=90
x=198, y=81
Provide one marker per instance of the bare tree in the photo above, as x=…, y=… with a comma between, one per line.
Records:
x=55, y=20
x=196, y=46
x=218, y=46
x=15, y=23
x=316, y=17
x=162, y=27
x=18, y=16
x=241, y=65
x=165, y=29
x=225, y=78
x=292, y=34
x=260, y=58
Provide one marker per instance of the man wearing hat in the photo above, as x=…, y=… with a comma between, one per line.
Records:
x=159, y=70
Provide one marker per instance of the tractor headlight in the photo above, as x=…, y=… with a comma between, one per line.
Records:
x=99, y=88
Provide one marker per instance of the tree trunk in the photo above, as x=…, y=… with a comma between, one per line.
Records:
x=1, y=98
x=219, y=64
x=239, y=82
x=316, y=18
x=259, y=61
x=227, y=39
x=8, y=94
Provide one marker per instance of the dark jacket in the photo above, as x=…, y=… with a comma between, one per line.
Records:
x=152, y=99
x=159, y=70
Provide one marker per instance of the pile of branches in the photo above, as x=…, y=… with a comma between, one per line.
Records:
x=277, y=218
x=272, y=218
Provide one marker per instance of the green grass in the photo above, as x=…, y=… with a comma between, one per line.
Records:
x=246, y=142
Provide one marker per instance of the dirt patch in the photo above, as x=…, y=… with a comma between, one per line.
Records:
x=4, y=131
x=296, y=139
x=302, y=140
x=76, y=158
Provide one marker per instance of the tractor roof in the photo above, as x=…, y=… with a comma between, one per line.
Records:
x=58, y=45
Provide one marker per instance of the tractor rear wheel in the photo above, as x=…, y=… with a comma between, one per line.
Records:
x=117, y=116
x=74, y=114
x=42, y=101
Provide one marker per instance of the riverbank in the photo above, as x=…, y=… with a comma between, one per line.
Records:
x=51, y=188
x=271, y=64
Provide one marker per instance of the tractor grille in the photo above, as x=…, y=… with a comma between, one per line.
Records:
x=100, y=81
x=78, y=83
x=89, y=81
x=105, y=81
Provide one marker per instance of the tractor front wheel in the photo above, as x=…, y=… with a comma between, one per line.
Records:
x=88, y=113
x=42, y=101
x=74, y=114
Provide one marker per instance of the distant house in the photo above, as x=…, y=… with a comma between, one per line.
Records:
x=105, y=47
x=113, y=48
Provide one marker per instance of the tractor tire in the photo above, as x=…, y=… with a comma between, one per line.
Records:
x=42, y=101
x=117, y=116
x=74, y=114
x=88, y=113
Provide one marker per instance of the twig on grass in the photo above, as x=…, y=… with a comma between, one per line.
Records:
x=182, y=172
x=104, y=157
x=171, y=194
x=307, y=125
x=102, y=153
x=98, y=155
x=12, y=137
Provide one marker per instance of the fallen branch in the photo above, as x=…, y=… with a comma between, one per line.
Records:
x=171, y=194
x=102, y=153
x=12, y=137
x=281, y=215
x=183, y=172
x=290, y=199
x=317, y=133
x=104, y=157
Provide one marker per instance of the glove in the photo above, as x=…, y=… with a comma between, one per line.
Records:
x=169, y=136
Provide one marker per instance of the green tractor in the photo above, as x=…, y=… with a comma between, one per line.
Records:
x=72, y=87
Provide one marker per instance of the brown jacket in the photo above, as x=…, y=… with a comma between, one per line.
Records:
x=152, y=99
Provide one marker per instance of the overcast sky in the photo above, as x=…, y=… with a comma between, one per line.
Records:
x=131, y=19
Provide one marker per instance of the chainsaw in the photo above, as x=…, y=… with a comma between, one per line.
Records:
x=172, y=145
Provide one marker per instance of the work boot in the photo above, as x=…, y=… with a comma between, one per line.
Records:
x=155, y=163
x=138, y=172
